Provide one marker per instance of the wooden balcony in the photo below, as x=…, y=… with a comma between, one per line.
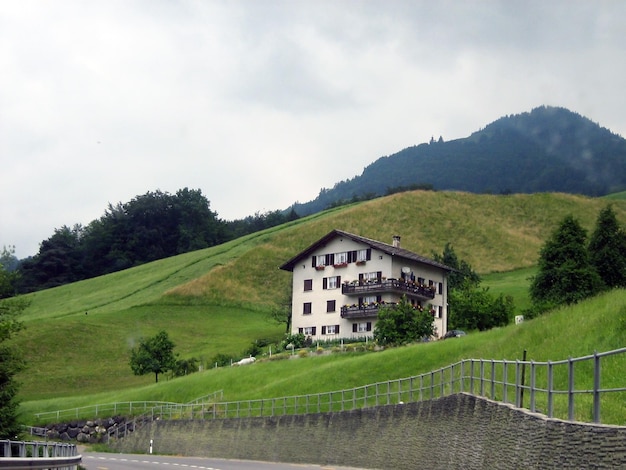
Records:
x=359, y=311
x=394, y=286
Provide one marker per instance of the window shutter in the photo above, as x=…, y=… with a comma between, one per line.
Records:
x=323, y=330
x=379, y=298
x=313, y=332
x=313, y=261
x=369, y=326
x=325, y=283
x=360, y=278
x=440, y=288
x=338, y=281
x=360, y=301
x=301, y=331
x=354, y=328
x=379, y=276
x=368, y=256
x=337, y=329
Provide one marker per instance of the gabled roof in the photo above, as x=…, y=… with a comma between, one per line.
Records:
x=384, y=247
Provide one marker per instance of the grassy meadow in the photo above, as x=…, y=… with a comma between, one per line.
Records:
x=211, y=301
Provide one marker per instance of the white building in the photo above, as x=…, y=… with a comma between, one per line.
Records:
x=340, y=282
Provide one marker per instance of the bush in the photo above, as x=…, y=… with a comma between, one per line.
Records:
x=221, y=360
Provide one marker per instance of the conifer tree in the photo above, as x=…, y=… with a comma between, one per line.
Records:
x=566, y=274
x=607, y=249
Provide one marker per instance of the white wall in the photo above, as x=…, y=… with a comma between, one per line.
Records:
x=319, y=317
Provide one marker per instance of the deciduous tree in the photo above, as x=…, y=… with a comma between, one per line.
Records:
x=11, y=363
x=402, y=323
x=153, y=355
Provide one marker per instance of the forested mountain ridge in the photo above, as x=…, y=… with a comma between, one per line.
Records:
x=549, y=149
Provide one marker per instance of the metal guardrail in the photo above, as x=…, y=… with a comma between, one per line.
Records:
x=17, y=455
x=129, y=408
x=554, y=388
x=551, y=387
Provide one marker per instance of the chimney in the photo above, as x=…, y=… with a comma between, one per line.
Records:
x=396, y=241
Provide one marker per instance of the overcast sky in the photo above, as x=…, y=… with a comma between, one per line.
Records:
x=261, y=103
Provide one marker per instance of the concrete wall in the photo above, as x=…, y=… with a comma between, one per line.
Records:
x=460, y=431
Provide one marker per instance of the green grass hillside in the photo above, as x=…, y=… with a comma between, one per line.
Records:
x=597, y=324
x=211, y=301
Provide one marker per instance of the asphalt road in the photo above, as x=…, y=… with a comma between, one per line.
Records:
x=106, y=461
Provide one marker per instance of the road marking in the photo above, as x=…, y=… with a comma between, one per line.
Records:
x=148, y=462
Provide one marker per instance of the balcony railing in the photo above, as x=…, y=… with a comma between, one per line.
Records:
x=359, y=311
x=389, y=285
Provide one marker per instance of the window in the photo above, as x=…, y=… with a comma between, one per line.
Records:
x=308, y=284
x=341, y=258
x=320, y=260
x=330, y=305
x=371, y=277
x=420, y=281
x=307, y=308
x=371, y=299
x=362, y=327
x=440, y=288
x=330, y=330
x=332, y=282
x=362, y=255
x=309, y=330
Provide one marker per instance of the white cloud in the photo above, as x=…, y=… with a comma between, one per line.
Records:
x=260, y=104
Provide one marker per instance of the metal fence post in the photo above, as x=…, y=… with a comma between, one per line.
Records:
x=517, y=384
x=505, y=383
x=462, y=377
x=532, y=386
x=550, y=389
x=570, y=390
x=443, y=379
x=482, y=378
x=596, y=387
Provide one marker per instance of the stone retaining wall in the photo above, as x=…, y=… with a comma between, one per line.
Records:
x=87, y=431
x=459, y=431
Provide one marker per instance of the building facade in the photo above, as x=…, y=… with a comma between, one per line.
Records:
x=342, y=280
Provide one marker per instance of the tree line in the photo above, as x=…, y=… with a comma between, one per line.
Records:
x=151, y=226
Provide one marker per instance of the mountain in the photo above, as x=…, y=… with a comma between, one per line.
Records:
x=549, y=149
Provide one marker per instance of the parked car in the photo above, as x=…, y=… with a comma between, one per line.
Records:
x=454, y=334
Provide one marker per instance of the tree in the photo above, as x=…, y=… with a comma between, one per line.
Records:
x=607, y=249
x=153, y=355
x=402, y=323
x=185, y=367
x=281, y=312
x=565, y=274
x=11, y=363
x=463, y=272
x=470, y=306
x=8, y=275
x=473, y=308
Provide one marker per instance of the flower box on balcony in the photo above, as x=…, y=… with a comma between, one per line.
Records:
x=340, y=265
x=320, y=268
x=360, y=263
